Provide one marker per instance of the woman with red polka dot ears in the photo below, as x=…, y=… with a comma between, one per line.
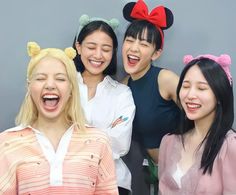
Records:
x=153, y=89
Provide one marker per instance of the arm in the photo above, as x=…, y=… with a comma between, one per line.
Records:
x=154, y=154
x=163, y=159
x=162, y=151
x=120, y=130
x=229, y=166
x=106, y=181
x=7, y=171
x=168, y=82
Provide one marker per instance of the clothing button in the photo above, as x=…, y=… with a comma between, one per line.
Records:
x=99, y=161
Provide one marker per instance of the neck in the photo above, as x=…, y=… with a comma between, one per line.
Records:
x=203, y=125
x=92, y=80
x=140, y=73
x=57, y=126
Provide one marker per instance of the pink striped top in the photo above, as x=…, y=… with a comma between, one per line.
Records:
x=86, y=169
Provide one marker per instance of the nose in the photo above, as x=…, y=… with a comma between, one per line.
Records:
x=50, y=84
x=134, y=46
x=98, y=53
x=191, y=94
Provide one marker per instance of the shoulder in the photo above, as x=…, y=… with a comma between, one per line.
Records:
x=229, y=145
x=166, y=75
x=12, y=133
x=14, y=139
x=168, y=139
x=117, y=86
x=167, y=146
x=167, y=82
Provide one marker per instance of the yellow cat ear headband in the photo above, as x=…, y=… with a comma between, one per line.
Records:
x=34, y=49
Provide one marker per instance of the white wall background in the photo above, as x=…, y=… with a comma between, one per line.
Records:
x=202, y=26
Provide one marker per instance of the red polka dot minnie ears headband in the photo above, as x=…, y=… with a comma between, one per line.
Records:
x=223, y=60
x=160, y=16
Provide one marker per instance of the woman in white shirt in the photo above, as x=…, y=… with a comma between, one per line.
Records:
x=107, y=104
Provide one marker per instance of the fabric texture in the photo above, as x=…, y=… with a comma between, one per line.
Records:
x=113, y=101
x=222, y=181
x=87, y=166
x=154, y=115
x=154, y=118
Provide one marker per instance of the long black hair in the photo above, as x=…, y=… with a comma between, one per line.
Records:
x=89, y=29
x=224, y=114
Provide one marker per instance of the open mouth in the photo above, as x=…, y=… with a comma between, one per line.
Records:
x=192, y=106
x=96, y=63
x=50, y=100
x=133, y=59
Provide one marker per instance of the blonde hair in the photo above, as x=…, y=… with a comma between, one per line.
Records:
x=73, y=112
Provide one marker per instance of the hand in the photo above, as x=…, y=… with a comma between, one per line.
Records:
x=118, y=121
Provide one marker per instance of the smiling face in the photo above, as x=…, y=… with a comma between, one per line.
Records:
x=137, y=55
x=96, y=52
x=196, y=96
x=49, y=88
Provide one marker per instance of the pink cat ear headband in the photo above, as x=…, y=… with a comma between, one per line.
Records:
x=223, y=60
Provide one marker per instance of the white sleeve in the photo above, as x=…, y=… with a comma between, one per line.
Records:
x=120, y=135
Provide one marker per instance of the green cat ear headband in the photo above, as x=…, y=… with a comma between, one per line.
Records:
x=85, y=19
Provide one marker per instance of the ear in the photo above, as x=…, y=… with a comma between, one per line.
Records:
x=156, y=54
x=78, y=47
x=169, y=19
x=127, y=11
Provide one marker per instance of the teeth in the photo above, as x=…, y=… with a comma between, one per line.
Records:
x=193, y=106
x=50, y=96
x=133, y=57
x=95, y=62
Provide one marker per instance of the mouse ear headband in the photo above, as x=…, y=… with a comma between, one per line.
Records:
x=223, y=60
x=85, y=19
x=160, y=16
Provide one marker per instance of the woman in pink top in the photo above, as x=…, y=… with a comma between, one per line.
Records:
x=51, y=151
x=200, y=157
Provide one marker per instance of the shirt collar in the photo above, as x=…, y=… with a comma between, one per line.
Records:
x=106, y=80
x=18, y=128
x=23, y=127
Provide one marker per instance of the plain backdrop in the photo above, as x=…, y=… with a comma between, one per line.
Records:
x=202, y=26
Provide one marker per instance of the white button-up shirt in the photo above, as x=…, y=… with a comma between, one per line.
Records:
x=112, y=102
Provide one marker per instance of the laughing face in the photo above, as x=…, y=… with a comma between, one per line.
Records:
x=196, y=96
x=50, y=88
x=137, y=55
x=96, y=52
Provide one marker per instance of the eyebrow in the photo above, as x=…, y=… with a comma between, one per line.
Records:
x=44, y=74
x=92, y=43
x=199, y=82
x=142, y=39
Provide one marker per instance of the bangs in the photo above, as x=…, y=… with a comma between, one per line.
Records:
x=138, y=28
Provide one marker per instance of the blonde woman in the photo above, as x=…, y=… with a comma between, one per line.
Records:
x=51, y=151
